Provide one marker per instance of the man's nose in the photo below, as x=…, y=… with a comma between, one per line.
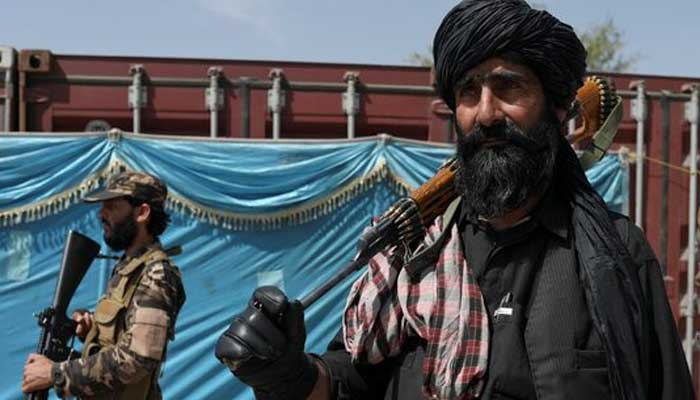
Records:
x=489, y=111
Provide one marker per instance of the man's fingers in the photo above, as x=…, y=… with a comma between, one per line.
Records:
x=84, y=324
x=26, y=386
x=81, y=315
x=37, y=373
x=78, y=315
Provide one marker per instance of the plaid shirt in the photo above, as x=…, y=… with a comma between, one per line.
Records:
x=442, y=304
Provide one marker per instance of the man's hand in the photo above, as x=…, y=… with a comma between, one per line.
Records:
x=37, y=373
x=264, y=347
x=84, y=320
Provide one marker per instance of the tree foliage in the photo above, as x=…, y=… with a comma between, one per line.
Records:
x=421, y=59
x=605, y=44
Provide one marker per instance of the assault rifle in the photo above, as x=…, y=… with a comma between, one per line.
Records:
x=57, y=330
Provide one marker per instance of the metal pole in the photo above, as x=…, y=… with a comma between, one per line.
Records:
x=351, y=126
x=692, y=109
x=276, y=125
x=297, y=86
x=214, y=100
x=665, y=105
x=639, y=113
x=7, y=62
x=276, y=100
x=21, y=100
x=351, y=100
x=8, y=100
x=244, y=86
x=137, y=95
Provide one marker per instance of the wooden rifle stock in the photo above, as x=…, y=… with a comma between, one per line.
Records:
x=404, y=222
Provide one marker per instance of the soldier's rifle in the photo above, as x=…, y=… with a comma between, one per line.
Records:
x=57, y=329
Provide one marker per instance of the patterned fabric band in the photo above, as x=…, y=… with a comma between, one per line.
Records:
x=443, y=306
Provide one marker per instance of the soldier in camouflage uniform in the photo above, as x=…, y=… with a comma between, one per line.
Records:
x=126, y=337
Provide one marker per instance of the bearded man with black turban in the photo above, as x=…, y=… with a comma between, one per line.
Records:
x=527, y=288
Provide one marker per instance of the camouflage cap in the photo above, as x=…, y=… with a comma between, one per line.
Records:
x=138, y=185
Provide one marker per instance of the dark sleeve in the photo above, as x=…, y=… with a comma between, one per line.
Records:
x=351, y=381
x=669, y=378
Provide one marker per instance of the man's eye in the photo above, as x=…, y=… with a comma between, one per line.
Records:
x=509, y=90
x=468, y=91
x=507, y=85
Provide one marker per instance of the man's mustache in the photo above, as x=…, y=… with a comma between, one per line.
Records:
x=506, y=132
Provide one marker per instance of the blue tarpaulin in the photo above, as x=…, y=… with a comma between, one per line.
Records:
x=247, y=213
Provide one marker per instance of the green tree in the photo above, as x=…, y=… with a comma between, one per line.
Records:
x=605, y=44
x=421, y=59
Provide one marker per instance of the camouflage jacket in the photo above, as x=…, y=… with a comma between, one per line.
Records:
x=148, y=323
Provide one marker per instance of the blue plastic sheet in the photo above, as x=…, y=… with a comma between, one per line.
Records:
x=324, y=194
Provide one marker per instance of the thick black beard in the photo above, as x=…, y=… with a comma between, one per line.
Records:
x=122, y=234
x=498, y=179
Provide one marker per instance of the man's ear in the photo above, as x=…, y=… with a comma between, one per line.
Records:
x=143, y=213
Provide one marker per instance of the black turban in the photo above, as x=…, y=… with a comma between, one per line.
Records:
x=476, y=30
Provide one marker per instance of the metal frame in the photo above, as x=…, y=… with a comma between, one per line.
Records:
x=7, y=63
x=692, y=109
x=276, y=100
x=351, y=100
x=137, y=95
x=639, y=113
x=214, y=99
x=350, y=91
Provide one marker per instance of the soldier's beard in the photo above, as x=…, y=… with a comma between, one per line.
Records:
x=498, y=178
x=121, y=234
